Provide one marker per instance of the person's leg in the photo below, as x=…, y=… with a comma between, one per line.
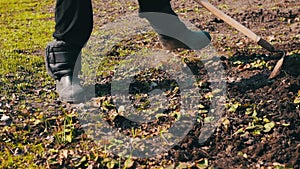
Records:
x=172, y=32
x=74, y=21
x=163, y=6
x=73, y=28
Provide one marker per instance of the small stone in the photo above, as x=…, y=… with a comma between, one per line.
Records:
x=4, y=118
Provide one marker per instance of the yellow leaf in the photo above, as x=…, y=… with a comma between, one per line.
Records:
x=268, y=127
x=128, y=163
x=69, y=138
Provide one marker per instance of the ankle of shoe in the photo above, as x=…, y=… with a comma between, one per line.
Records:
x=165, y=24
x=61, y=58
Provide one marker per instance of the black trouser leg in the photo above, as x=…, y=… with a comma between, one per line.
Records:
x=172, y=32
x=163, y=6
x=74, y=21
x=161, y=16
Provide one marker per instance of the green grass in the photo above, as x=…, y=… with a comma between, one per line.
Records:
x=43, y=132
x=26, y=27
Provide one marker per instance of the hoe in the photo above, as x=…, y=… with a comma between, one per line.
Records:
x=260, y=41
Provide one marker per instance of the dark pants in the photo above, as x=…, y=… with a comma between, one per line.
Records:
x=74, y=18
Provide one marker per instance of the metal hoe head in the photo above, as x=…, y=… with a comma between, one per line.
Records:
x=278, y=65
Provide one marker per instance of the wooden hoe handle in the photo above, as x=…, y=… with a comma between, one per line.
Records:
x=236, y=25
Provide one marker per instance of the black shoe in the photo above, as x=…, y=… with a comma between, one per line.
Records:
x=70, y=90
x=63, y=63
x=196, y=41
x=174, y=34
